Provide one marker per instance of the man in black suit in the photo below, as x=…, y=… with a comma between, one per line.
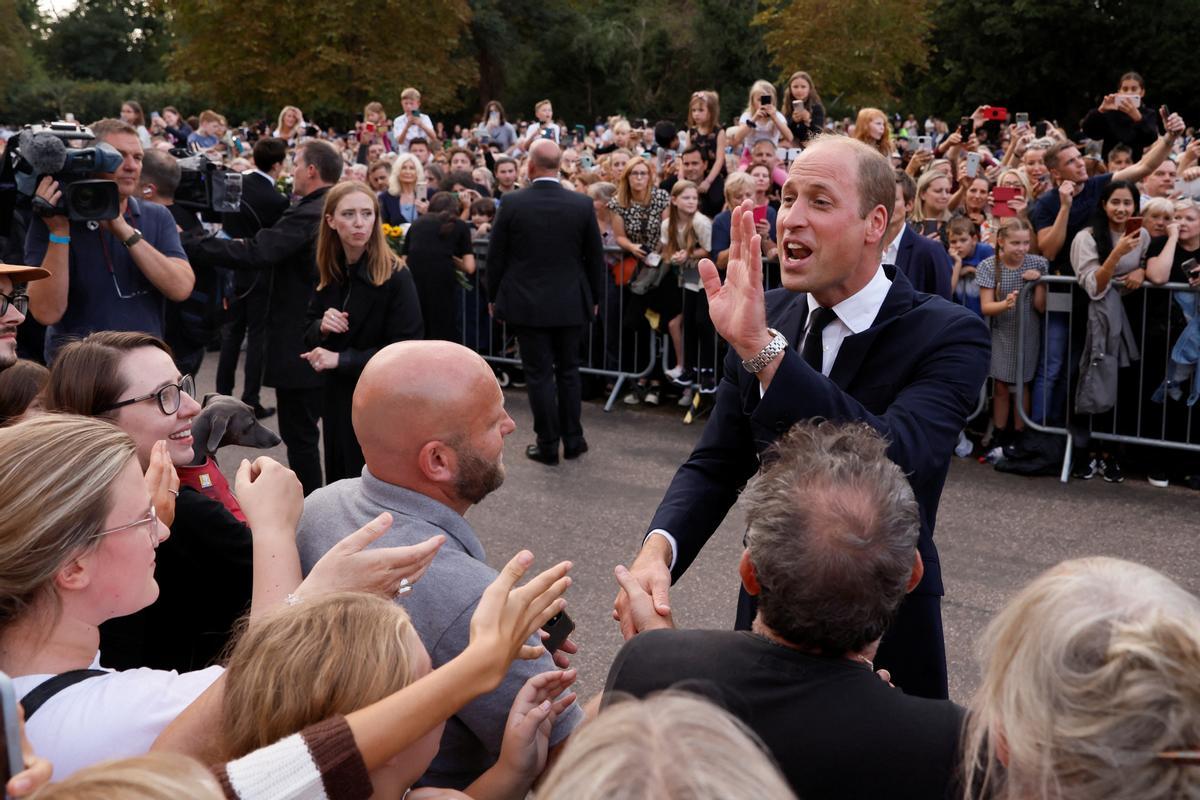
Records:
x=287, y=252
x=923, y=261
x=871, y=349
x=545, y=273
x=262, y=206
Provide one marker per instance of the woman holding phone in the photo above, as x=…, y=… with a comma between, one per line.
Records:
x=760, y=120
x=1123, y=118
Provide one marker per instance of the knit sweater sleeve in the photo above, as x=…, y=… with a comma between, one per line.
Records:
x=322, y=761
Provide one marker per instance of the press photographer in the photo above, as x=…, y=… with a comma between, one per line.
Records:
x=106, y=272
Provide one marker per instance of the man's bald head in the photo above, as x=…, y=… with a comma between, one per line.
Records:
x=544, y=158
x=413, y=392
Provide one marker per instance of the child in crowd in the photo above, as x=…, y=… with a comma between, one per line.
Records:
x=704, y=131
x=1000, y=278
x=483, y=211
x=686, y=238
x=967, y=251
x=545, y=128
x=760, y=120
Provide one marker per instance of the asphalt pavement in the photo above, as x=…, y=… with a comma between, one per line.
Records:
x=994, y=531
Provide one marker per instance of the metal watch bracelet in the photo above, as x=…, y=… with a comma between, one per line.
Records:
x=768, y=354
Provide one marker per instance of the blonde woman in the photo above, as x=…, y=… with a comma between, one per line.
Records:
x=761, y=120
x=365, y=300
x=405, y=198
x=931, y=209
x=290, y=126
x=1089, y=689
x=872, y=129
x=671, y=746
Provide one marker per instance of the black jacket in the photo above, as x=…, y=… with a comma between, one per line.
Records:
x=1117, y=127
x=288, y=249
x=545, y=263
x=262, y=206
x=925, y=263
x=378, y=316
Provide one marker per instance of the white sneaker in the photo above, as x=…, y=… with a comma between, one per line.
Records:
x=652, y=396
x=964, y=446
x=674, y=372
x=685, y=399
x=632, y=398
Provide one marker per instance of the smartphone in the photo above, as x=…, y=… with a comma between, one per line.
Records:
x=1001, y=195
x=1133, y=225
x=415, y=114
x=966, y=127
x=493, y=119
x=1190, y=267
x=797, y=104
x=764, y=100
x=760, y=213
x=999, y=113
x=559, y=627
x=586, y=161
x=1040, y=129
x=547, y=133
x=1136, y=99
x=924, y=142
x=972, y=165
x=1163, y=114
x=793, y=153
x=14, y=760
x=1022, y=119
x=369, y=127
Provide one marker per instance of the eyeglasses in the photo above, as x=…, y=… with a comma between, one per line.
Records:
x=169, y=397
x=17, y=300
x=150, y=521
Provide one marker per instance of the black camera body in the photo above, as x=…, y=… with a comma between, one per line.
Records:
x=54, y=149
x=207, y=187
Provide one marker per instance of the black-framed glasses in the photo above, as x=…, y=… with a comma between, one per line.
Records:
x=169, y=397
x=18, y=300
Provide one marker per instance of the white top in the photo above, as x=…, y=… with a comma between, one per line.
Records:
x=892, y=251
x=109, y=716
x=414, y=131
x=702, y=225
x=854, y=315
x=535, y=132
x=763, y=130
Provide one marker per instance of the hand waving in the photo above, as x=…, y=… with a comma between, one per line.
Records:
x=386, y=571
x=737, y=308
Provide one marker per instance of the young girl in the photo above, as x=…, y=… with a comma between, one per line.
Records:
x=802, y=104
x=686, y=238
x=1000, y=279
x=871, y=127
x=704, y=110
x=760, y=121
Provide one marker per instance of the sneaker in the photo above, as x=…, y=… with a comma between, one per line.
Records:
x=674, y=372
x=1087, y=470
x=994, y=455
x=652, y=396
x=1159, y=479
x=1110, y=469
x=685, y=377
x=685, y=399
x=632, y=397
x=964, y=446
x=708, y=381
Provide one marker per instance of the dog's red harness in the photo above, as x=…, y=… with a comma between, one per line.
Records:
x=208, y=480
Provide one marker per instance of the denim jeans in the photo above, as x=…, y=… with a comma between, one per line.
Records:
x=1048, y=406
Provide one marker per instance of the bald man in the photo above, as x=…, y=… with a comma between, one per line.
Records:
x=431, y=420
x=545, y=277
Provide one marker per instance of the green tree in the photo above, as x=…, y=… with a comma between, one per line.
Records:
x=327, y=58
x=860, y=50
x=113, y=40
x=16, y=44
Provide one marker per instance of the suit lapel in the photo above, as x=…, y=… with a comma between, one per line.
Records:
x=855, y=348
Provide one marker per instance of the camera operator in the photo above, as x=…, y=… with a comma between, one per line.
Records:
x=111, y=275
x=288, y=249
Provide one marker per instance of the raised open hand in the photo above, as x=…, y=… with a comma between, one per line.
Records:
x=736, y=307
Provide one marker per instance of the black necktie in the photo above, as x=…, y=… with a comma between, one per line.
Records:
x=813, y=347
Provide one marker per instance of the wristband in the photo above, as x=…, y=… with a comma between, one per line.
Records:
x=56, y=239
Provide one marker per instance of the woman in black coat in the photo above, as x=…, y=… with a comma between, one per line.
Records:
x=437, y=245
x=365, y=300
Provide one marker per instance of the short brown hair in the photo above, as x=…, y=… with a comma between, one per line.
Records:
x=104, y=128
x=85, y=377
x=908, y=187
x=322, y=156
x=1050, y=157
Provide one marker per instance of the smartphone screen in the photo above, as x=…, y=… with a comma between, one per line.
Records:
x=14, y=761
x=1132, y=225
x=764, y=100
x=1039, y=130
x=1001, y=195
x=1022, y=119
x=559, y=627
x=972, y=164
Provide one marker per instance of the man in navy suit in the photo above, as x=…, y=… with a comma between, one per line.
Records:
x=923, y=261
x=545, y=275
x=845, y=339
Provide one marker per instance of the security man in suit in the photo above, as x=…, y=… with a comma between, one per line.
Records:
x=545, y=274
x=287, y=250
x=845, y=339
x=262, y=206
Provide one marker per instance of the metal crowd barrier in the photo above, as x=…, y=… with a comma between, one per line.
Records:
x=1136, y=418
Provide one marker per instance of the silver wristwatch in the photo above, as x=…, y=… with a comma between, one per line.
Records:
x=765, y=356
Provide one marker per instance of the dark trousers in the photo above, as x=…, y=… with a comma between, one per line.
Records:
x=343, y=456
x=913, y=649
x=550, y=358
x=247, y=318
x=299, y=410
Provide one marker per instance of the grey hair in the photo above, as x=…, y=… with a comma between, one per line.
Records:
x=1089, y=674
x=670, y=746
x=832, y=528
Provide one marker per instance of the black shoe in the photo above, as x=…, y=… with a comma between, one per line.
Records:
x=1088, y=468
x=263, y=413
x=1110, y=470
x=547, y=457
x=575, y=452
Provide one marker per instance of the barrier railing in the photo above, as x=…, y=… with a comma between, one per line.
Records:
x=1145, y=410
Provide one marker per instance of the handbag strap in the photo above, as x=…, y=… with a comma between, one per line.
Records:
x=52, y=686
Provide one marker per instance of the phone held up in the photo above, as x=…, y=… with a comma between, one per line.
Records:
x=764, y=100
x=1000, y=197
x=1191, y=268
x=972, y=165
x=559, y=628
x=14, y=760
x=966, y=127
x=1133, y=225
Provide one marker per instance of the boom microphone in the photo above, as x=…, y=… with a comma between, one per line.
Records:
x=45, y=153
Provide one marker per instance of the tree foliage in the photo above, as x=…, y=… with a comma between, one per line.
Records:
x=859, y=49
x=110, y=40
x=323, y=57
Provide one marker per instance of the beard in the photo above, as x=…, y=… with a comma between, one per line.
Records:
x=8, y=350
x=477, y=476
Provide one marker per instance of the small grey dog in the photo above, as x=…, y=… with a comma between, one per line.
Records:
x=227, y=420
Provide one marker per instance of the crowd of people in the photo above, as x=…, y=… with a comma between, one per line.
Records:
x=332, y=629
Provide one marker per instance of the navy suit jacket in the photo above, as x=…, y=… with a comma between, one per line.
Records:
x=914, y=376
x=925, y=263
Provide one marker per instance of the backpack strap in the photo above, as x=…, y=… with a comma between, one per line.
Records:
x=52, y=686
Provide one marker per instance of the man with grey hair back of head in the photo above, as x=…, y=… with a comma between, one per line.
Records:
x=831, y=551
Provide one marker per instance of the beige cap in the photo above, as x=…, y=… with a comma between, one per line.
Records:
x=20, y=273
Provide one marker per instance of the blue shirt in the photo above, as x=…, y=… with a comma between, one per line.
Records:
x=720, y=230
x=108, y=291
x=202, y=141
x=1045, y=209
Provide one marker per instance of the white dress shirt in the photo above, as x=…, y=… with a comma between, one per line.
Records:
x=892, y=251
x=854, y=315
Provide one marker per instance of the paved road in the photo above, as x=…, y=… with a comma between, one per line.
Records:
x=995, y=532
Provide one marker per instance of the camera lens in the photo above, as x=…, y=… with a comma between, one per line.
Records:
x=88, y=200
